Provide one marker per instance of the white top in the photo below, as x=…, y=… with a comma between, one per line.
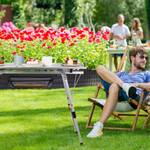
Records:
x=136, y=36
x=121, y=31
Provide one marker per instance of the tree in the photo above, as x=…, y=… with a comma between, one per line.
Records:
x=106, y=11
x=84, y=13
x=147, y=4
x=69, y=8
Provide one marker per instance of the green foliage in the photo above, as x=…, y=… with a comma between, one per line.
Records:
x=5, y=50
x=48, y=12
x=19, y=13
x=70, y=7
x=106, y=11
x=5, y=2
x=2, y=14
x=89, y=54
x=89, y=13
x=84, y=13
x=147, y=4
x=44, y=3
x=103, y=11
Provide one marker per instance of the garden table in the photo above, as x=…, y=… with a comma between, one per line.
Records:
x=113, y=51
x=61, y=69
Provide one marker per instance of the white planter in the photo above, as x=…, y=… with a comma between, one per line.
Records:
x=47, y=60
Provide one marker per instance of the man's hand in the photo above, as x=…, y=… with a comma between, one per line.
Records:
x=144, y=86
x=135, y=85
x=118, y=37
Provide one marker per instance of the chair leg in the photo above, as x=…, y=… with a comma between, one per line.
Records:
x=88, y=125
x=116, y=115
x=136, y=117
x=146, y=121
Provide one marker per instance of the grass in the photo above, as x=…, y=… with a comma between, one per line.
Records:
x=40, y=120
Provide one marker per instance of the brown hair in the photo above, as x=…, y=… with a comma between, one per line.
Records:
x=121, y=15
x=137, y=50
x=137, y=24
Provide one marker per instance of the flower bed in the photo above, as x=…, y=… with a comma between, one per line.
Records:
x=82, y=44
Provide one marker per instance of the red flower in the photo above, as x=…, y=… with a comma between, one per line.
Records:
x=73, y=36
x=79, y=31
x=54, y=43
x=14, y=52
x=82, y=36
x=62, y=29
x=63, y=40
x=86, y=29
x=105, y=37
x=91, y=32
x=71, y=44
x=44, y=44
x=97, y=41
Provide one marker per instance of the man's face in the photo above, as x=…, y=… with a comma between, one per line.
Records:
x=121, y=19
x=140, y=60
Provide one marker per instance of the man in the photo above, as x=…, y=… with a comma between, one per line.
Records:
x=120, y=32
x=122, y=85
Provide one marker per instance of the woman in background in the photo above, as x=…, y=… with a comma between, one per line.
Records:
x=136, y=32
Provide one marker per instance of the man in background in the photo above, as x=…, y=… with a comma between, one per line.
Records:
x=120, y=32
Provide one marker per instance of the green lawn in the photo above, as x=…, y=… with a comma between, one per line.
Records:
x=40, y=120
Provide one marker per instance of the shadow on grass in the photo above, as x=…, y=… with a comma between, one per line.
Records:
x=82, y=110
x=30, y=112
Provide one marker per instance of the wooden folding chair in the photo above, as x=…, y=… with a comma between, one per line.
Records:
x=132, y=105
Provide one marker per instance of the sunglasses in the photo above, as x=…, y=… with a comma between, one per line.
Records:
x=142, y=57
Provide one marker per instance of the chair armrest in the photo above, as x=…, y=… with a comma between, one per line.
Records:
x=98, y=87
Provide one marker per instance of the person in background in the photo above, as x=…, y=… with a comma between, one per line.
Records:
x=119, y=32
x=106, y=30
x=136, y=32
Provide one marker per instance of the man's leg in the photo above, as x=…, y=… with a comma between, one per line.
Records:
x=111, y=102
x=108, y=76
x=107, y=110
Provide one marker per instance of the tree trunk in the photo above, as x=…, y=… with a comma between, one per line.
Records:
x=147, y=4
x=70, y=13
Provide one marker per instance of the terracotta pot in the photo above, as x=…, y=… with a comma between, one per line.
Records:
x=1, y=62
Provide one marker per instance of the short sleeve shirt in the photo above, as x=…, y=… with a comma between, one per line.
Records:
x=140, y=77
x=122, y=31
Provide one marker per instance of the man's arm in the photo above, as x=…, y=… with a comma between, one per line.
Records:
x=117, y=37
x=144, y=86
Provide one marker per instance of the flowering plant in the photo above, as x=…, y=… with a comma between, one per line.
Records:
x=83, y=44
